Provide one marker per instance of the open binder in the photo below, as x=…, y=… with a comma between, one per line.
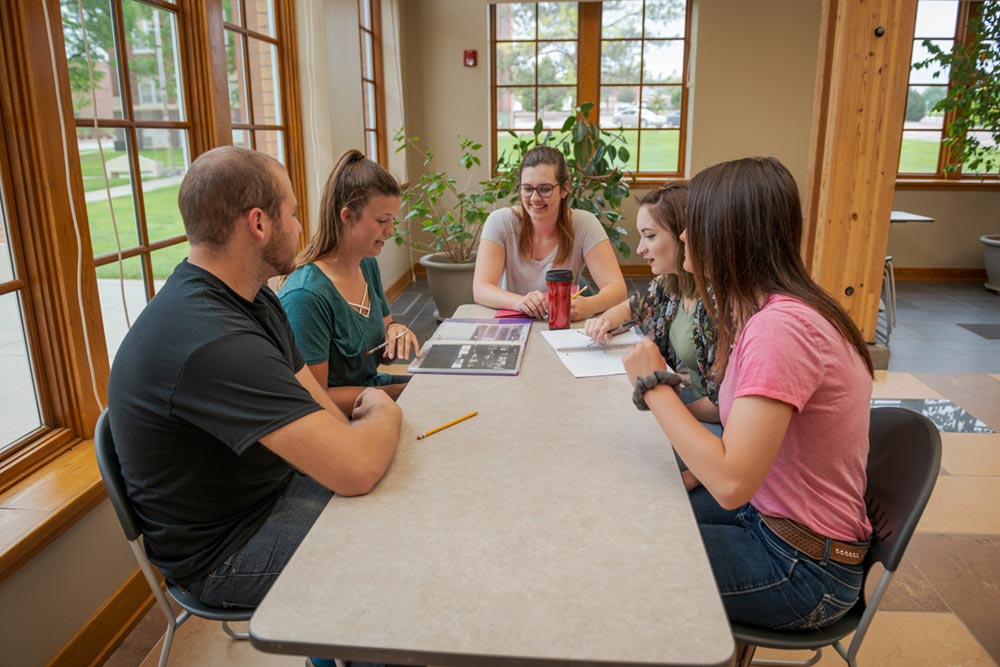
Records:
x=474, y=347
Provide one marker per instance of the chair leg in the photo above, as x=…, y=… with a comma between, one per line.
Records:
x=168, y=639
x=769, y=662
x=744, y=654
x=235, y=634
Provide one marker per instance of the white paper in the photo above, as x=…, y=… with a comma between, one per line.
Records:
x=596, y=360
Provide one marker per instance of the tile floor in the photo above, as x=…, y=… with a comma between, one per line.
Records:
x=943, y=607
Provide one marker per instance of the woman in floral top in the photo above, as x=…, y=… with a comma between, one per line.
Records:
x=670, y=310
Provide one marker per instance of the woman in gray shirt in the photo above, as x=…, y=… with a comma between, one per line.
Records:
x=520, y=244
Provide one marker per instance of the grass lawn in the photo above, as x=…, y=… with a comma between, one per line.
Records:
x=163, y=221
x=659, y=148
x=93, y=174
x=918, y=157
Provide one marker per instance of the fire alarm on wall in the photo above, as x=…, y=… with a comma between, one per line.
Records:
x=471, y=56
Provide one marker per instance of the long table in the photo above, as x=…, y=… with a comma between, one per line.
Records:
x=551, y=529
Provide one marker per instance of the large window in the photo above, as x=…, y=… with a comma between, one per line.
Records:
x=925, y=154
x=627, y=56
x=133, y=138
x=370, y=34
x=254, y=76
x=19, y=415
x=103, y=106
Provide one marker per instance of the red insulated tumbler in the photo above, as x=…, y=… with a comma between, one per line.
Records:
x=559, y=282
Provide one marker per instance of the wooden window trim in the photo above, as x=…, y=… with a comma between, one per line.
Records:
x=49, y=480
x=142, y=248
x=967, y=183
x=588, y=86
x=941, y=180
x=378, y=82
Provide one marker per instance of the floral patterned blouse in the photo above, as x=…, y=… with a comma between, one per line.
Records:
x=655, y=311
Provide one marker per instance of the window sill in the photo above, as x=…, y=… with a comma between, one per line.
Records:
x=43, y=505
x=947, y=184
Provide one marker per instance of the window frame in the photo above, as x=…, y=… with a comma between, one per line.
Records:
x=589, y=81
x=144, y=248
x=377, y=80
x=65, y=334
x=941, y=179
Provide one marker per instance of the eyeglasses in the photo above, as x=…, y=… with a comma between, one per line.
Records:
x=544, y=190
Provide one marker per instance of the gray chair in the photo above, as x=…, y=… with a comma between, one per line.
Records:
x=111, y=472
x=903, y=463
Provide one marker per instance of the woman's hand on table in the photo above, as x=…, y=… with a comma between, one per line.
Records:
x=534, y=303
x=597, y=328
x=642, y=359
x=400, y=341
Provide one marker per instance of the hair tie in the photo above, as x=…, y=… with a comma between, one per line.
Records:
x=357, y=155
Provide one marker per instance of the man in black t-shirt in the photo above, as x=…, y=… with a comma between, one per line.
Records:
x=229, y=447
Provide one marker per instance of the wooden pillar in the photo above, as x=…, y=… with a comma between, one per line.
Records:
x=864, y=65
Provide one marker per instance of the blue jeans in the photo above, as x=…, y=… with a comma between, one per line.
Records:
x=242, y=580
x=763, y=581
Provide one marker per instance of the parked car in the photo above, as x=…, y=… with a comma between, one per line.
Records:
x=674, y=118
x=634, y=117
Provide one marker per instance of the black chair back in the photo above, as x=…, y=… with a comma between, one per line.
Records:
x=903, y=464
x=111, y=472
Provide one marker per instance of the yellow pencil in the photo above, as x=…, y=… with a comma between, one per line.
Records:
x=444, y=426
x=579, y=292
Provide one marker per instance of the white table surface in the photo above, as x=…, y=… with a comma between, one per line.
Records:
x=551, y=529
x=904, y=216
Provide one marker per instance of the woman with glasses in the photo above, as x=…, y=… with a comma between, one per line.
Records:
x=671, y=310
x=520, y=244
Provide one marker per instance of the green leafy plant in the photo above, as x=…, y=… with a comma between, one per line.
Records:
x=973, y=98
x=452, y=214
x=596, y=158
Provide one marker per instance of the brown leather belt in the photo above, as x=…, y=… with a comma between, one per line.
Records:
x=813, y=544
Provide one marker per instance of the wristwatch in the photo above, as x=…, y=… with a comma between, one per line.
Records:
x=644, y=383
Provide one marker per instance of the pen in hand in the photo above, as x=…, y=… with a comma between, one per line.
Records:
x=381, y=345
x=579, y=292
x=622, y=328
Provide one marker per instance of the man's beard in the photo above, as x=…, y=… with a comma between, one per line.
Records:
x=280, y=259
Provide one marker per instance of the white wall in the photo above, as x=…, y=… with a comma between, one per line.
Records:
x=45, y=602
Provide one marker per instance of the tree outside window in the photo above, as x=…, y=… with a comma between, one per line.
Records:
x=629, y=57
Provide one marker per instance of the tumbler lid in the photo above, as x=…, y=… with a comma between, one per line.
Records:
x=559, y=276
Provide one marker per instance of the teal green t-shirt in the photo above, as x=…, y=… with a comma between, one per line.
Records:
x=328, y=329
x=682, y=340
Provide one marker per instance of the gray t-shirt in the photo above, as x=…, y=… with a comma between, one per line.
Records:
x=522, y=275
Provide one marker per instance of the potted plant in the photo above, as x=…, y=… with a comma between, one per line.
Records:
x=451, y=217
x=973, y=135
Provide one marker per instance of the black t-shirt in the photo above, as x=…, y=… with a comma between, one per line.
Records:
x=202, y=375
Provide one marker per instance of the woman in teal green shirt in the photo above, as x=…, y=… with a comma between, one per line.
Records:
x=334, y=299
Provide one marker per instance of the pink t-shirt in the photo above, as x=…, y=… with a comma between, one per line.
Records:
x=789, y=352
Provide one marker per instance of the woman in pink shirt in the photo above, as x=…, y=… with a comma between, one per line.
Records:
x=781, y=509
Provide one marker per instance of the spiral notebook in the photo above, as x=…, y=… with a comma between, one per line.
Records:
x=584, y=358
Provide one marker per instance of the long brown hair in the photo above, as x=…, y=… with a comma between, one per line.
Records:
x=668, y=207
x=744, y=235
x=564, y=223
x=353, y=181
